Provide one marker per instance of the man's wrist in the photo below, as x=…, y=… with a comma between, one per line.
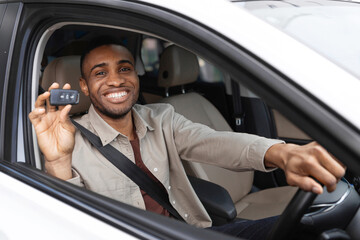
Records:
x=60, y=168
x=275, y=156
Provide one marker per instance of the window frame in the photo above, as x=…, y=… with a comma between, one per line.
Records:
x=8, y=27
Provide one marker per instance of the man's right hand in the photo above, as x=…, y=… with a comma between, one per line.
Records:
x=55, y=134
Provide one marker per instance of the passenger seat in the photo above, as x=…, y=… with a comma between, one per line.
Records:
x=179, y=67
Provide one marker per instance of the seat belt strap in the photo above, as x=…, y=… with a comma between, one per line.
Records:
x=130, y=169
x=239, y=114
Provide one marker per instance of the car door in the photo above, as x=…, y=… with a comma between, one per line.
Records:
x=46, y=204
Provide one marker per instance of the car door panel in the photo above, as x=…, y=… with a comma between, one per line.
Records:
x=53, y=216
x=287, y=131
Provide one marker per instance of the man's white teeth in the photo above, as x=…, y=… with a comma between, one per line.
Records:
x=116, y=95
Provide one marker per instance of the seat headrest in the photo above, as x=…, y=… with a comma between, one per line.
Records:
x=66, y=70
x=177, y=67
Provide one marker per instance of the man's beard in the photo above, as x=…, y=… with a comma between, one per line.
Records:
x=113, y=114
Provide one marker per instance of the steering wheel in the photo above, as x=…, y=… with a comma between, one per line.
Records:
x=292, y=215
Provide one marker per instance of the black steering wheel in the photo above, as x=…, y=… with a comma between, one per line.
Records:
x=292, y=215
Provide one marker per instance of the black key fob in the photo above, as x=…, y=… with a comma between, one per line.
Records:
x=60, y=97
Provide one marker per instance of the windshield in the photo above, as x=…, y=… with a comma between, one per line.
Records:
x=332, y=28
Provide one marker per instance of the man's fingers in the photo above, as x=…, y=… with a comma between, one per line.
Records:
x=64, y=119
x=35, y=115
x=328, y=161
x=305, y=183
x=64, y=114
x=40, y=101
x=328, y=170
x=323, y=176
x=67, y=86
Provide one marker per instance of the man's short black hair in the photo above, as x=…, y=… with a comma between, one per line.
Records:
x=95, y=43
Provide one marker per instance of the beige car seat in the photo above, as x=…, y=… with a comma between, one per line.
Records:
x=179, y=67
x=66, y=70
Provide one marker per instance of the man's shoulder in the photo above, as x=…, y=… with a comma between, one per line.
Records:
x=155, y=114
x=83, y=120
x=154, y=108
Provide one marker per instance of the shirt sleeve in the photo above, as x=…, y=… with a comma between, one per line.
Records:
x=230, y=150
x=76, y=179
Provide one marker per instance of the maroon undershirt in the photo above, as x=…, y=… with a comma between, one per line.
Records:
x=150, y=204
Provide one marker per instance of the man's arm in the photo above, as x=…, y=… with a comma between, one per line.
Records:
x=303, y=163
x=234, y=151
x=225, y=149
x=55, y=134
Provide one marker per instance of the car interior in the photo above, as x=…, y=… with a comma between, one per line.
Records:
x=178, y=72
x=197, y=89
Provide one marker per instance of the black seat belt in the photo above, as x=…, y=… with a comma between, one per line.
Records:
x=131, y=170
x=239, y=114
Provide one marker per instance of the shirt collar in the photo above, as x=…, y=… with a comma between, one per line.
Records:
x=107, y=134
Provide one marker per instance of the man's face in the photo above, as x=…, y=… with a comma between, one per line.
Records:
x=110, y=80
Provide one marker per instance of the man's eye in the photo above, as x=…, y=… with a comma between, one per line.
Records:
x=124, y=69
x=100, y=73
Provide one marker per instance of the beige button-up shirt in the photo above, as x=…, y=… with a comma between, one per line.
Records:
x=165, y=138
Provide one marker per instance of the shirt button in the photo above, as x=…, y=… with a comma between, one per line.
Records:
x=169, y=187
x=115, y=140
x=173, y=202
x=186, y=215
x=155, y=169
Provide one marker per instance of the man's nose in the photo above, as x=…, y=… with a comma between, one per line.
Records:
x=115, y=79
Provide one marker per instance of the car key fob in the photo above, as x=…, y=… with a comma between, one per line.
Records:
x=60, y=97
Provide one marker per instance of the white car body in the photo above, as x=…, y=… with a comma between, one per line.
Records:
x=50, y=217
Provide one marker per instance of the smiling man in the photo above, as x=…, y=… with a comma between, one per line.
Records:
x=112, y=83
x=156, y=138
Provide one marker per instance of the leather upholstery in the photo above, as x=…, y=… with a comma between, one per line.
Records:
x=66, y=70
x=193, y=106
x=173, y=74
x=265, y=203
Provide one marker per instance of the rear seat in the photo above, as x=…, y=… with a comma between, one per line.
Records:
x=179, y=67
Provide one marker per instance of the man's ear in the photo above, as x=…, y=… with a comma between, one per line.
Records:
x=83, y=86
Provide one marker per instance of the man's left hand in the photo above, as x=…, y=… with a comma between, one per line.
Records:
x=303, y=163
